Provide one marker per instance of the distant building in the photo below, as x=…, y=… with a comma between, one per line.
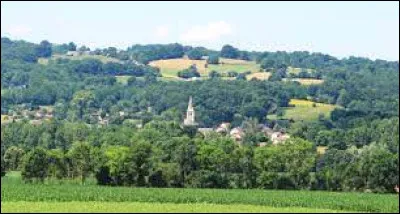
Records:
x=190, y=115
x=72, y=53
x=237, y=134
x=223, y=128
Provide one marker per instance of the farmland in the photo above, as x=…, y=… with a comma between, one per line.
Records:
x=19, y=197
x=259, y=75
x=306, y=81
x=304, y=110
x=171, y=67
x=129, y=207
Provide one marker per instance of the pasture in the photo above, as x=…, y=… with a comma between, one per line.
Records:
x=304, y=110
x=17, y=196
x=170, y=68
x=306, y=81
x=259, y=75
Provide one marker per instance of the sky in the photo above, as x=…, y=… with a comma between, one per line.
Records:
x=341, y=29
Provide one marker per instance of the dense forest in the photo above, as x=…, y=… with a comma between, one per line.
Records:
x=362, y=136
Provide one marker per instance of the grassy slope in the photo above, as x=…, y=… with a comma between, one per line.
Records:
x=304, y=110
x=307, y=81
x=171, y=67
x=128, y=207
x=13, y=190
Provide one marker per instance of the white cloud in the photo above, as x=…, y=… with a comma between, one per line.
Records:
x=210, y=32
x=162, y=31
x=18, y=30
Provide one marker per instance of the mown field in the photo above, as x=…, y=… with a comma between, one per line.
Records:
x=68, y=197
x=171, y=67
x=306, y=81
x=303, y=110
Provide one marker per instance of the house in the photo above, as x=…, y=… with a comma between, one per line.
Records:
x=237, y=134
x=39, y=115
x=279, y=137
x=72, y=53
x=223, y=128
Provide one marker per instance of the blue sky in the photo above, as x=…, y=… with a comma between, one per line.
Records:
x=341, y=29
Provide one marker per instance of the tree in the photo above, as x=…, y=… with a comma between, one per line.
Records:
x=214, y=74
x=80, y=155
x=44, y=49
x=195, y=54
x=13, y=158
x=140, y=163
x=229, y=52
x=189, y=73
x=35, y=165
x=71, y=46
x=213, y=60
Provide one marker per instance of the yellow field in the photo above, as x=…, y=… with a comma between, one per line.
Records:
x=306, y=81
x=3, y=118
x=303, y=110
x=171, y=67
x=103, y=59
x=321, y=149
x=259, y=75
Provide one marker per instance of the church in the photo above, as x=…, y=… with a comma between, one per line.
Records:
x=190, y=115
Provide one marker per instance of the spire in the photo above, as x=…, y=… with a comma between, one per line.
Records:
x=190, y=114
x=190, y=105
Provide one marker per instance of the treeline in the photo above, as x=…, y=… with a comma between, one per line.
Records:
x=162, y=154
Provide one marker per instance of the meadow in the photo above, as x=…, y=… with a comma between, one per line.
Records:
x=304, y=110
x=69, y=197
x=171, y=67
x=306, y=81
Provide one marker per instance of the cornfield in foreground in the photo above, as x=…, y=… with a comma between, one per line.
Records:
x=13, y=191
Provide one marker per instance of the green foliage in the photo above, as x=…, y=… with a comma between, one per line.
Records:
x=229, y=52
x=189, y=73
x=35, y=165
x=195, y=54
x=213, y=60
x=12, y=191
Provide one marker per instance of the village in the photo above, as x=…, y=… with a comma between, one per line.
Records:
x=236, y=133
x=46, y=113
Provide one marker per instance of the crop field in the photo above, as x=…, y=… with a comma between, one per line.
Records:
x=19, y=197
x=297, y=70
x=171, y=67
x=129, y=207
x=3, y=118
x=259, y=75
x=303, y=110
x=306, y=81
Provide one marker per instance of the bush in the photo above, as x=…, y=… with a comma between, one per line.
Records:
x=213, y=59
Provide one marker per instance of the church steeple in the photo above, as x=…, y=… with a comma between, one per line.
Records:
x=190, y=114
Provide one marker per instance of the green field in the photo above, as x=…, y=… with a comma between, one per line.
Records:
x=303, y=110
x=128, y=207
x=16, y=196
x=297, y=70
x=170, y=68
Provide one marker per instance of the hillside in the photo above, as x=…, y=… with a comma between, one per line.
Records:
x=170, y=68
